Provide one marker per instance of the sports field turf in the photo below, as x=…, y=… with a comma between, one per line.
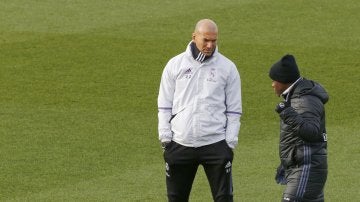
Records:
x=79, y=83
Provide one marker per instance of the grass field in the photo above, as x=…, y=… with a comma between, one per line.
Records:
x=79, y=83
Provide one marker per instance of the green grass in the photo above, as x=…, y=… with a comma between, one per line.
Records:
x=79, y=83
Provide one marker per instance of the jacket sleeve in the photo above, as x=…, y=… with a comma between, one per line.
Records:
x=165, y=100
x=233, y=108
x=305, y=119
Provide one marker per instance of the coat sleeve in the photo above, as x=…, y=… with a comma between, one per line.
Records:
x=165, y=100
x=305, y=119
x=233, y=108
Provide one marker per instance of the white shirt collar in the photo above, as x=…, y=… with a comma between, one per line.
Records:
x=286, y=92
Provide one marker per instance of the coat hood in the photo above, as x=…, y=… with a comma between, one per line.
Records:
x=308, y=87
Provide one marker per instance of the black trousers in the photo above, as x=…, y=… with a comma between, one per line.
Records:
x=181, y=165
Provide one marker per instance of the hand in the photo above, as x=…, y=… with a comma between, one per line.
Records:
x=280, y=175
x=165, y=144
x=281, y=106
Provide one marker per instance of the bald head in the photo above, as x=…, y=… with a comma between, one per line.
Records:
x=206, y=25
x=205, y=36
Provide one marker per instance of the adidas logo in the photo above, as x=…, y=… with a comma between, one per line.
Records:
x=228, y=165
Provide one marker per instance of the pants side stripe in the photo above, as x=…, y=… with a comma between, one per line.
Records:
x=305, y=173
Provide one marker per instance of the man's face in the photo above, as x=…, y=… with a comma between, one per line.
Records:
x=205, y=41
x=279, y=88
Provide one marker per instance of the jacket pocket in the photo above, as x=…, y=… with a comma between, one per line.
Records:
x=288, y=158
x=298, y=155
x=180, y=123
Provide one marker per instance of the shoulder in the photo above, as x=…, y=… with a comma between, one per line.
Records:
x=183, y=56
x=175, y=65
x=178, y=58
x=307, y=103
x=223, y=59
x=226, y=65
x=176, y=61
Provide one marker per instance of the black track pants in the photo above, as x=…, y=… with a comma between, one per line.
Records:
x=181, y=166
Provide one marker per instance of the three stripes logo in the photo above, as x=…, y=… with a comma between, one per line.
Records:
x=188, y=73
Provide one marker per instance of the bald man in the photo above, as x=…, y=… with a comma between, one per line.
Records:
x=199, y=110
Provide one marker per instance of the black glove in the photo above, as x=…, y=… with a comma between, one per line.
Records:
x=281, y=106
x=280, y=175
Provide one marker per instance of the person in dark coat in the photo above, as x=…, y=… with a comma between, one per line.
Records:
x=303, y=139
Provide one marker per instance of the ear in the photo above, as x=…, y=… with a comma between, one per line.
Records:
x=193, y=36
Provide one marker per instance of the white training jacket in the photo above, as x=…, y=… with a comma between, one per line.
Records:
x=199, y=103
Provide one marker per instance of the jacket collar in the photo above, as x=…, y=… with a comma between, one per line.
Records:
x=197, y=55
x=287, y=92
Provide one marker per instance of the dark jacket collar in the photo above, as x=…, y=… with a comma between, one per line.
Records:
x=197, y=55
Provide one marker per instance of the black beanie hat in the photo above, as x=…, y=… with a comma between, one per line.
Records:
x=285, y=70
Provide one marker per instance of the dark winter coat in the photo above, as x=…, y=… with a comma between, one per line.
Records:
x=304, y=123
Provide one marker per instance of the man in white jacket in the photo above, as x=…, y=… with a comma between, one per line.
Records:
x=199, y=107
